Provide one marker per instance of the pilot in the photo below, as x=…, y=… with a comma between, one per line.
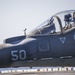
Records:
x=49, y=28
x=52, y=28
x=67, y=19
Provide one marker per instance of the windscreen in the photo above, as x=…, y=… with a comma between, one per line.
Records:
x=48, y=27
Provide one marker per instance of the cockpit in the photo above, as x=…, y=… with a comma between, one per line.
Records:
x=57, y=24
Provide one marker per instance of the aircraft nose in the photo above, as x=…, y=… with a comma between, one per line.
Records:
x=12, y=53
x=4, y=58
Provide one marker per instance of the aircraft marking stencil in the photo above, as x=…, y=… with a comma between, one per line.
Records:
x=62, y=39
x=18, y=55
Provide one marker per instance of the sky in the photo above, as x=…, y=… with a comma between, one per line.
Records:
x=16, y=15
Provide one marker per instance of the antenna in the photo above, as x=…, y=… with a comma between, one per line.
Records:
x=25, y=31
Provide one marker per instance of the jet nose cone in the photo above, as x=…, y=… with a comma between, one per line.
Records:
x=5, y=58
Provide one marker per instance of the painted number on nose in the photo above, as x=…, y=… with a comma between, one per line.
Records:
x=18, y=55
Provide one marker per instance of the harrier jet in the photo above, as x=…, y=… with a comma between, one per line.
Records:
x=50, y=44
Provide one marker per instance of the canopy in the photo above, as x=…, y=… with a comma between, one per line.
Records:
x=57, y=24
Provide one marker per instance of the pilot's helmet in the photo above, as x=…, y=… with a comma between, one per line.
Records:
x=67, y=17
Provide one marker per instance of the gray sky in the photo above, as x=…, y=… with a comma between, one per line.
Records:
x=16, y=15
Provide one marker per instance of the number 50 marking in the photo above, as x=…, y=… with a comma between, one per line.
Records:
x=21, y=54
